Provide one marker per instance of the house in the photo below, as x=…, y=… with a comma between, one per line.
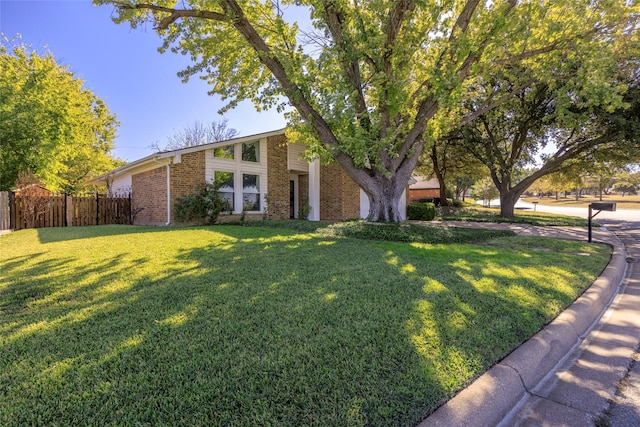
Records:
x=423, y=188
x=258, y=171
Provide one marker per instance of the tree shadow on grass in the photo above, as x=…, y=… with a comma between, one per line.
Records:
x=247, y=328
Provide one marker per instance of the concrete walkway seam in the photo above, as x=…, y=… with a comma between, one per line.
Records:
x=506, y=386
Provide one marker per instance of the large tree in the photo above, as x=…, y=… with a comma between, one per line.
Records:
x=577, y=115
x=50, y=123
x=372, y=83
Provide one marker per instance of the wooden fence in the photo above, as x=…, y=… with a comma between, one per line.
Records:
x=62, y=210
x=5, y=211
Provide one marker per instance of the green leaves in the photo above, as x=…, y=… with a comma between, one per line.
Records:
x=49, y=122
x=371, y=81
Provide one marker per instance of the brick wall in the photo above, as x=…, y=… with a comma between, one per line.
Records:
x=187, y=177
x=425, y=193
x=339, y=195
x=149, y=197
x=278, y=181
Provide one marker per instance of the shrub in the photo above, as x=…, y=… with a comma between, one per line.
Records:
x=203, y=206
x=421, y=211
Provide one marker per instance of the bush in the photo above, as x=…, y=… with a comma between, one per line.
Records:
x=421, y=211
x=203, y=206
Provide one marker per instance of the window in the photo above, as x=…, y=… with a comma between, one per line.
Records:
x=250, y=192
x=224, y=182
x=251, y=151
x=225, y=152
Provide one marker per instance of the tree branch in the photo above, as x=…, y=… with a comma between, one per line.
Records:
x=348, y=58
x=487, y=106
x=174, y=14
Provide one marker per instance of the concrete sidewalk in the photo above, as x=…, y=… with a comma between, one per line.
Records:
x=568, y=373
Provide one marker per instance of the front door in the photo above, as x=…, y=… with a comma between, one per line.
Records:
x=292, y=199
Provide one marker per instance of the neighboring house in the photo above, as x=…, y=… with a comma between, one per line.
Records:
x=423, y=188
x=256, y=170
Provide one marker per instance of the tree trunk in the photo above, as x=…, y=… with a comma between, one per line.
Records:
x=384, y=194
x=440, y=171
x=384, y=205
x=508, y=200
x=443, y=193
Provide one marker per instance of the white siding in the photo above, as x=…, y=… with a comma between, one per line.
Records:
x=120, y=185
x=294, y=158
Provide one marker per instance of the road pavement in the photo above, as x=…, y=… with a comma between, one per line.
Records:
x=626, y=218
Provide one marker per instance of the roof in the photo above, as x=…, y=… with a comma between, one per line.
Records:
x=167, y=156
x=422, y=183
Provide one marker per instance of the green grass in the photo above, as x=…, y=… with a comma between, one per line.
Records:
x=227, y=325
x=404, y=232
x=481, y=214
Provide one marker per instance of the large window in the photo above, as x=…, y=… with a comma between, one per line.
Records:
x=251, y=151
x=224, y=181
x=250, y=192
x=225, y=152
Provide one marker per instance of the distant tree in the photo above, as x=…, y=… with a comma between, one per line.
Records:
x=50, y=123
x=373, y=82
x=198, y=134
x=540, y=186
x=463, y=183
x=571, y=116
x=559, y=182
x=485, y=190
x=627, y=182
x=446, y=160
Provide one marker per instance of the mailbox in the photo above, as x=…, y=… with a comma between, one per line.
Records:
x=600, y=206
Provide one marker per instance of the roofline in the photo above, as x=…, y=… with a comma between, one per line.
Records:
x=156, y=157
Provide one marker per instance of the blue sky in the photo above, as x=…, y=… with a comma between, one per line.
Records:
x=123, y=67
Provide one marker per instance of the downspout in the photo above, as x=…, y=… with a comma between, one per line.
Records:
x=168, y=165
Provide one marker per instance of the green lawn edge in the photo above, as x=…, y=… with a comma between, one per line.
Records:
x=122, y=325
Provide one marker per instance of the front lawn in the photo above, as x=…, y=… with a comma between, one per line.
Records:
x=229, y=325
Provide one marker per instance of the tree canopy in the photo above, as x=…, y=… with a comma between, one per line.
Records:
x=372, y=82
x=585, y=111
x=50, y=123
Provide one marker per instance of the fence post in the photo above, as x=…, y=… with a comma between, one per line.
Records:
x=64, y=209
x=12, y=210
x=130, y=209
x=97, y=208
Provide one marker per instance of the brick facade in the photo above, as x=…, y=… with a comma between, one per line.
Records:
x=149, y=197
x=424, y=193
x=278, y=181
x=187, y=177
x=339, y=195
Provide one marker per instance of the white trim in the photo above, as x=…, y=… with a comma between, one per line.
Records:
x=364, y=204
x=314, y=190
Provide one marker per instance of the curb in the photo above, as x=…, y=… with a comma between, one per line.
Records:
x=493, y=395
